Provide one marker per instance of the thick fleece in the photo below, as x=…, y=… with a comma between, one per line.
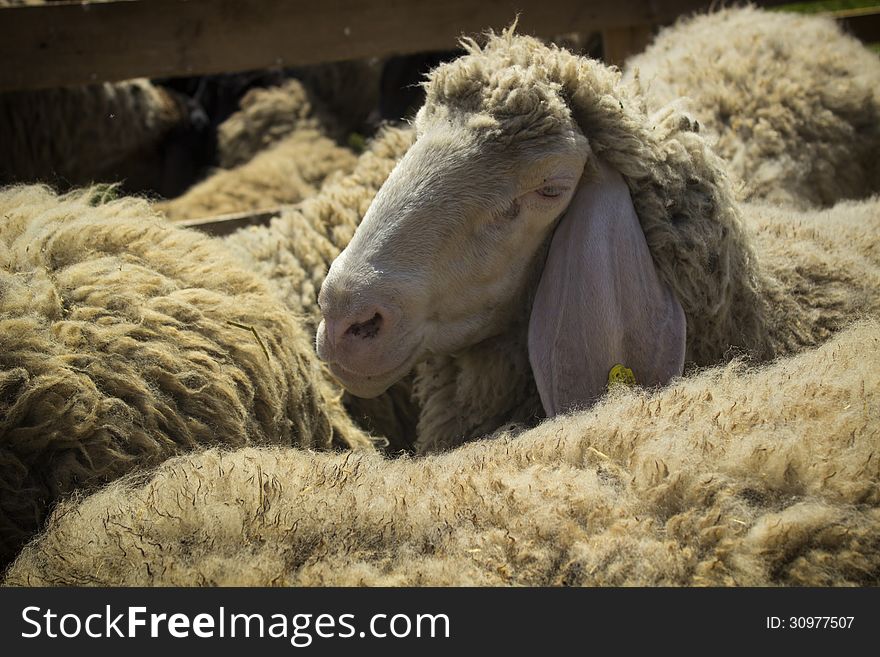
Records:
x=268, y=115
x=278, y=150
x=124, y=341
x=731, y=477
x=790, y=101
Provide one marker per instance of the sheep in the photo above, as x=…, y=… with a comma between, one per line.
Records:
x=827, y=260
x=279, y=151
x=125, y=340
x=735, y=476
x=790, y=101
x=294, y=252
x=446, y=273
x=335, y=98
x=268, y=115
x=96, y=133
x=112, y=132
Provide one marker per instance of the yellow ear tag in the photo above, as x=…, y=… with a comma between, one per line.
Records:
x=620, y=375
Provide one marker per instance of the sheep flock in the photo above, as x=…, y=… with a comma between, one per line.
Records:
x=186, y=410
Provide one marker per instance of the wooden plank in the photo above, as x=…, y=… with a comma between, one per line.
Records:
x=618, y=43
x=74, y=43
x=227, y=224
x=863, y=24
x=854, y=12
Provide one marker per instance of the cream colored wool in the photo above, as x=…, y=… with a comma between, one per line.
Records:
x=730, y=477
x=288, y=172
x=294, y=252
x=266, y=117
x=79, y=135
x=279, y=151
x=825, y=264
x=790, y=101
x=124, y=341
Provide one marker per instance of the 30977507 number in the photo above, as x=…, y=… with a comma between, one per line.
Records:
x=810, y=622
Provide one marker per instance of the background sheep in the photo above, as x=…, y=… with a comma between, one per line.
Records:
x=348, y=90
x=444, y=268
x=294, y=252
x=265, y=117
x=132, y=132
x=731, y=477
x=129, y=130
x=825, y=262
x=790, y=101
x=279, y=149
x=124, y=341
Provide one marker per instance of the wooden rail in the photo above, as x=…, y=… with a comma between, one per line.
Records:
x=70, y=43
x=226, y=224
x=862, y=23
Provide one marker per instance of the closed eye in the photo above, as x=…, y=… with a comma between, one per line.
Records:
x=550, y=191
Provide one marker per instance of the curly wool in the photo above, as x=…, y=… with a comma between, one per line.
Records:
x=266, y=116
x=288, y=172
x=124, y=341
x=279, y=150
x=822, y=267
x=732, y=477
x=790, y=101
x=294, y=253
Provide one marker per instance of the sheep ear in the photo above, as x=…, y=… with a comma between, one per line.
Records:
x=600, y=302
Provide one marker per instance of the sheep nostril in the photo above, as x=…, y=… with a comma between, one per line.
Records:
x=368, y=329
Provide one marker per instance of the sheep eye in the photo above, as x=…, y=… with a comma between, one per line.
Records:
x=550, y=191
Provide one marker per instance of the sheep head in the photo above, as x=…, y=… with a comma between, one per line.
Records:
x=451, y=249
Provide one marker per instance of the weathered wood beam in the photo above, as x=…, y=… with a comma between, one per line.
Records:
x=70, y=43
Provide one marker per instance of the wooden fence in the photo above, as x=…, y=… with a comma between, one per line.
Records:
x=67, y=43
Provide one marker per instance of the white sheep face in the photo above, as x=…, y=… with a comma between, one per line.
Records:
x=441, y=259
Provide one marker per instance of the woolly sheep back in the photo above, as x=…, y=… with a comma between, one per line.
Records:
x=287, y=172
x=821, y=268
x=124, y=340
x=732, y=477
x=265, y=117
x=791, y=102
x=279, y=150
